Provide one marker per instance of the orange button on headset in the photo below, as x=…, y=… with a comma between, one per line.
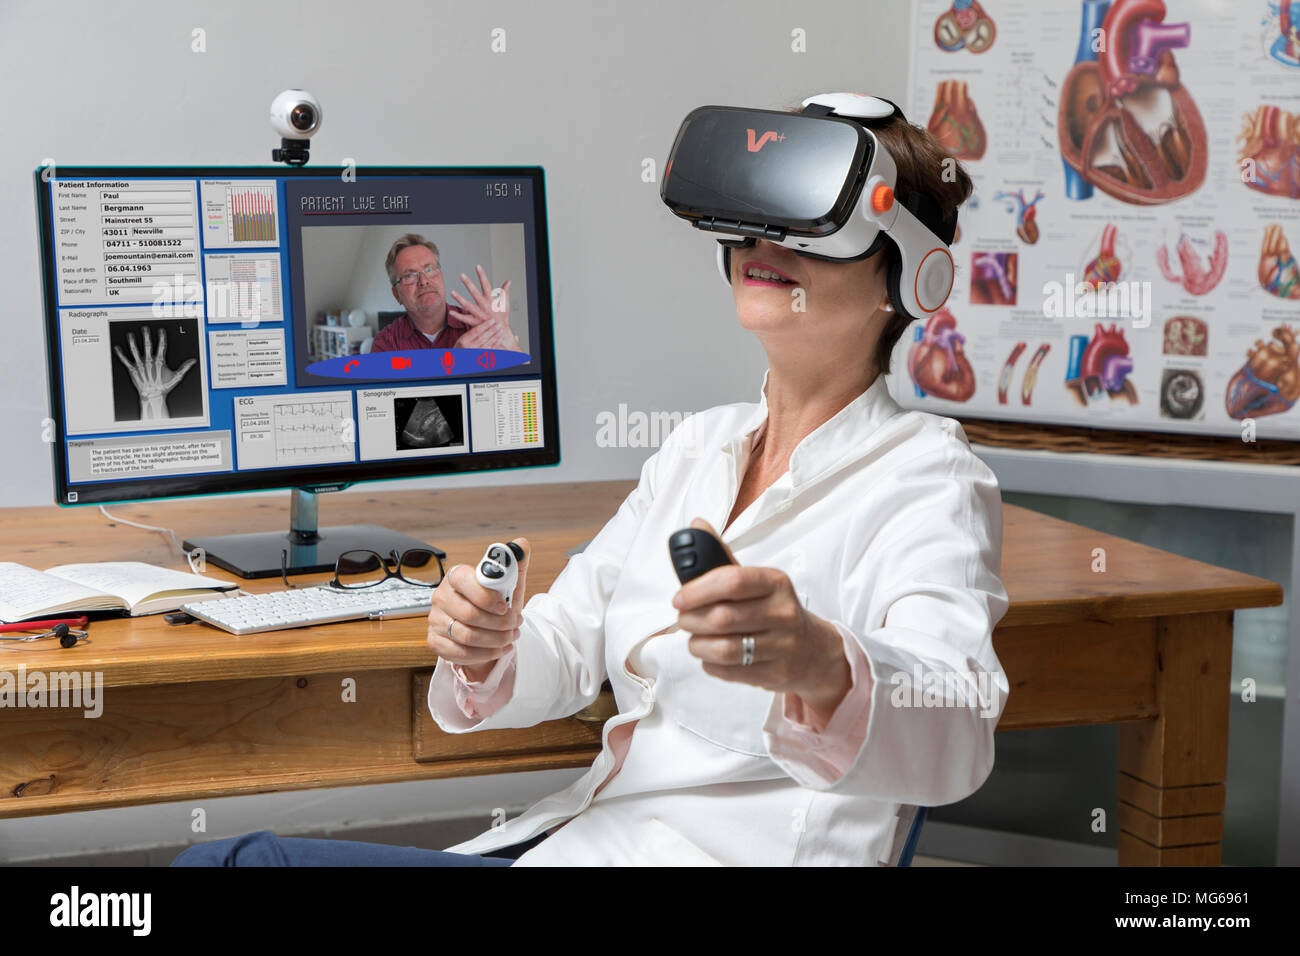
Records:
x=882, y=198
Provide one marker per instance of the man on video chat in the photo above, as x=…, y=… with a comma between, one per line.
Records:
x=431, y=322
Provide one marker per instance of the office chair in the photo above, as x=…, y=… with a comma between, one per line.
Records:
x=913, y=835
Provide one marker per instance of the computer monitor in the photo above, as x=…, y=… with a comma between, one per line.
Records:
x=215, y=330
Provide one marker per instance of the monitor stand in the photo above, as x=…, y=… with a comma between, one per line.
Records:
x=258, y=555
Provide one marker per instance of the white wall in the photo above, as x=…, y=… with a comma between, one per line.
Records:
x=586, y=90
x=330, y=259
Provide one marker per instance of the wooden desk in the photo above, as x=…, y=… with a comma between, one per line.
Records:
x=191, y=712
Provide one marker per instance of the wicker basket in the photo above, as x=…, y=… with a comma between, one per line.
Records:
x=1105, y=441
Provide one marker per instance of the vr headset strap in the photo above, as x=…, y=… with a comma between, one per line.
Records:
x=821, y=109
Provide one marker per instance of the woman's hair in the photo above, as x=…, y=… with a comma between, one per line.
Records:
x=922, y=165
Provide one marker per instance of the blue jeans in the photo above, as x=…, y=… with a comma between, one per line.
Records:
x=264, y=848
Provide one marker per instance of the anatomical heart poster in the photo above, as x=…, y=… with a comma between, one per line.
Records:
x=1128, y=258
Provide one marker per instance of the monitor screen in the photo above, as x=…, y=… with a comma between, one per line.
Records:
x=236, y=329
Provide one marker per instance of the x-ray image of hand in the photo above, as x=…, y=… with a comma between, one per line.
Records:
x=150, y=375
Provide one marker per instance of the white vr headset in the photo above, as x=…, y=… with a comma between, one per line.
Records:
x=818, y=182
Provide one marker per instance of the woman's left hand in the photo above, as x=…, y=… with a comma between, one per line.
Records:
x=795, y=651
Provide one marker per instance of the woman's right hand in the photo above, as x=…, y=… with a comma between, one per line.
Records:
x=482, y=628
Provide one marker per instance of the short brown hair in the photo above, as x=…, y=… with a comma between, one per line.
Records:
x=408, y=240
x=922, y=165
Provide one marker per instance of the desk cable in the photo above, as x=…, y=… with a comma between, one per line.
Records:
x=189, y=556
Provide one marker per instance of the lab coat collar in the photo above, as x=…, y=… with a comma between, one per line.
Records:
x=837, y=441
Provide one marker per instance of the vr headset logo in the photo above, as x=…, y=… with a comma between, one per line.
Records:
x=783, y=195
x=768, y=137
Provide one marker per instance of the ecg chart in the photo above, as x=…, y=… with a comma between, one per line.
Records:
x=277, y=431
x=311, y=431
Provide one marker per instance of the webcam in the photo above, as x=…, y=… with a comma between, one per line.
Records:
x=296, y=115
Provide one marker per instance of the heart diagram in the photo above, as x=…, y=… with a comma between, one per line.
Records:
x=1200, y=274
x=1185, y=335
x=1026, y=213
x=1278, y=272
x=1270, y=152
x=1269, y=382
x=937, y=361
x=1126, y=124
x=955, y=123
x=1284, y=32
x=994, y=278
x=965, y=26
x=1100, y=367
x=1106, y=266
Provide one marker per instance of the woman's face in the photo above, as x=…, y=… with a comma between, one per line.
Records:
x=832, y=305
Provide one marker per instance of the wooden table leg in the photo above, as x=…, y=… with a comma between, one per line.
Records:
x=1172, y=769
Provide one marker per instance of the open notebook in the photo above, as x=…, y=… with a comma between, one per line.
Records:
x=129, y=586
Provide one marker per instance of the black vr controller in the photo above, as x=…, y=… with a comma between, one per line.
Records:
x=695, y=552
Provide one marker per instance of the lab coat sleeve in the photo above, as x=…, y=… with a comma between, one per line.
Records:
x=482, y=698
x=558, y=660
x=921, y=596
x=831, y=750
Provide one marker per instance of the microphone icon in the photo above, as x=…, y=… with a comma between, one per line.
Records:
x=448, y=362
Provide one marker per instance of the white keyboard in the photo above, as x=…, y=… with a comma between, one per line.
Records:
x=304, y=607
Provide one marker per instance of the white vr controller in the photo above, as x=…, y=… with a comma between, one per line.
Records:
x=499, y=569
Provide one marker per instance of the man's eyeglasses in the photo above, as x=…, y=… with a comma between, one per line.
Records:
x=364, y=569
x=412, y=277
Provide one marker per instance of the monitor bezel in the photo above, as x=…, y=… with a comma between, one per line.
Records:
x=327, y=477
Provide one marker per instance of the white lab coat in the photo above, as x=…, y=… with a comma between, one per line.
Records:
x=889, y=527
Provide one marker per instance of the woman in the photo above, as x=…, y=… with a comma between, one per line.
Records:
x=782, y=711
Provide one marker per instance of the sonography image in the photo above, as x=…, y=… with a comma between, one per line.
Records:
x=430, y=422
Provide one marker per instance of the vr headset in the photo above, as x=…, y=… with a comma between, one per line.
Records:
x=818, y=182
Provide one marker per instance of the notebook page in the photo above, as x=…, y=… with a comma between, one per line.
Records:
x=134, y=581
x=26, y=592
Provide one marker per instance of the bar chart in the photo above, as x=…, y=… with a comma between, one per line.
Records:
x=252, y=213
